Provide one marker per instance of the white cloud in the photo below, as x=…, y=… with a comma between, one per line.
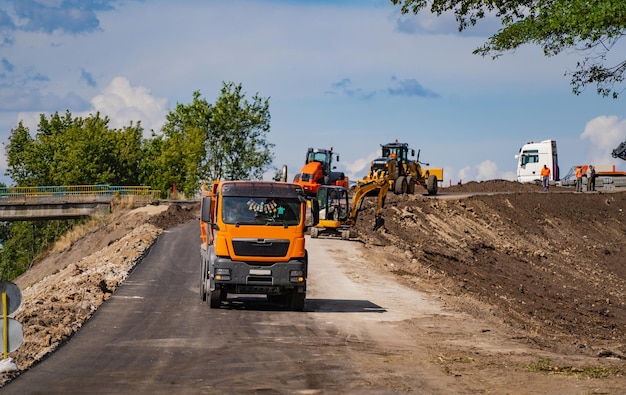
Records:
x=123, y=103
x=604, y=134
x=359, y=167
x=508, y=175
x=487, y=170
x=465, y=174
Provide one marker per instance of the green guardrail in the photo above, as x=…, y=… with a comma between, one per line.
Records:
x=71, y=193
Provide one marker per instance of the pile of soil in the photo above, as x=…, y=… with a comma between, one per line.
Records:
x=549, y=265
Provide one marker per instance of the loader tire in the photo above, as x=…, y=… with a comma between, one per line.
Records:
x=400, y=186
x=410, y=185
x=431, y=187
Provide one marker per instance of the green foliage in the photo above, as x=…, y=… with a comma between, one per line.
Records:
x=175, y=157
x=74, y=151
x=236, y=142
x=23, y=241
x=199, y=141
x=591, y=28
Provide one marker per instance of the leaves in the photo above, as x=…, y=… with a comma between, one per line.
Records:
x=591, y=28
x=199, y=141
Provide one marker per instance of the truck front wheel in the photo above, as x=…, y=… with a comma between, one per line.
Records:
x=296, y=301
x=215, y=299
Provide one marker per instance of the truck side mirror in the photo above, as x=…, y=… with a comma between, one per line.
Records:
x=205, y=214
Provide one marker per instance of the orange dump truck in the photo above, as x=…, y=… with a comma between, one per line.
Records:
x=253, y=242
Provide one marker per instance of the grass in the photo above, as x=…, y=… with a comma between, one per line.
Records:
x=545, y=366
x=79, y=231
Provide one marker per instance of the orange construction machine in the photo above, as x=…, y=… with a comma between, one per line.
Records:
x=319, y=170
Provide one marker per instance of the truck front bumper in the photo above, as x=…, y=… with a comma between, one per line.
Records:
x=250, y=278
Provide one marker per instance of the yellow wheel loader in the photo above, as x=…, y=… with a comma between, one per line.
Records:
x=403, y=173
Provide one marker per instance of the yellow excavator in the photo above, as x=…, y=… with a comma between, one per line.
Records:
x=338, y=215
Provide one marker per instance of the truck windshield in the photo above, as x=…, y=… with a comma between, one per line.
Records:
x=261, y=211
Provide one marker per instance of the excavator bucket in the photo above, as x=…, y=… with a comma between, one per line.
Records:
x=379, y=222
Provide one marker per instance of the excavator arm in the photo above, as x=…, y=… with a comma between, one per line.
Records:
x=365, y=188
x=620, y=151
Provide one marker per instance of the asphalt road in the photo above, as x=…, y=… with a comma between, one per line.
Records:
x=155, y=335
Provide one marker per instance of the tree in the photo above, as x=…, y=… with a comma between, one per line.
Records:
x=236, y=144
x=176, y=156
x=65, y=151
x=203, y=141
x=74, y=151
x=590, y=27
x=19, y=151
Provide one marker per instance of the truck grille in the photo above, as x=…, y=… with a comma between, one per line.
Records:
x=261, y=247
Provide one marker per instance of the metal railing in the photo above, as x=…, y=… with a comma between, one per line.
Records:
x=76, y=193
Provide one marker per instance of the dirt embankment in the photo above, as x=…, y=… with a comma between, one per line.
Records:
x=551, y=265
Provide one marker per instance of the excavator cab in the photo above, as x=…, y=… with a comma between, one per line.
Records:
x=334, y=212
x=333, y=203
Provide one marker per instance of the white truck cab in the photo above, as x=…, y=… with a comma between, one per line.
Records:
x=531, y=158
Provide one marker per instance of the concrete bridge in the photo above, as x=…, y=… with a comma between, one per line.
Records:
x=68, y=202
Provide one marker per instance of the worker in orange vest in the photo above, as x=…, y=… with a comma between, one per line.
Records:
x=545, y=178
x=579, y=179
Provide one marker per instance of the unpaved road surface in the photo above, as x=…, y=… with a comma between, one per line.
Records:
x=513, y=292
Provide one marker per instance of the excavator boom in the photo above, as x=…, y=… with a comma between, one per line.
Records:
x=368, y=187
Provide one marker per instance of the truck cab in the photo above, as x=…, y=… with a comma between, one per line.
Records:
x=253, y=241
x=531, y=158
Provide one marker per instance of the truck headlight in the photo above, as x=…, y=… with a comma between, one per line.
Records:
x=222, y=274
x=296, y=276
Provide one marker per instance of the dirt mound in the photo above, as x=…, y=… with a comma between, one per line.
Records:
x=550, y=264
x=492, y=186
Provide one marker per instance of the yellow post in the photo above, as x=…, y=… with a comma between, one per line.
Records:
x=5, y=326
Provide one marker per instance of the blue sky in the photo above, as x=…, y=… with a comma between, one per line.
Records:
x=348, y=74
